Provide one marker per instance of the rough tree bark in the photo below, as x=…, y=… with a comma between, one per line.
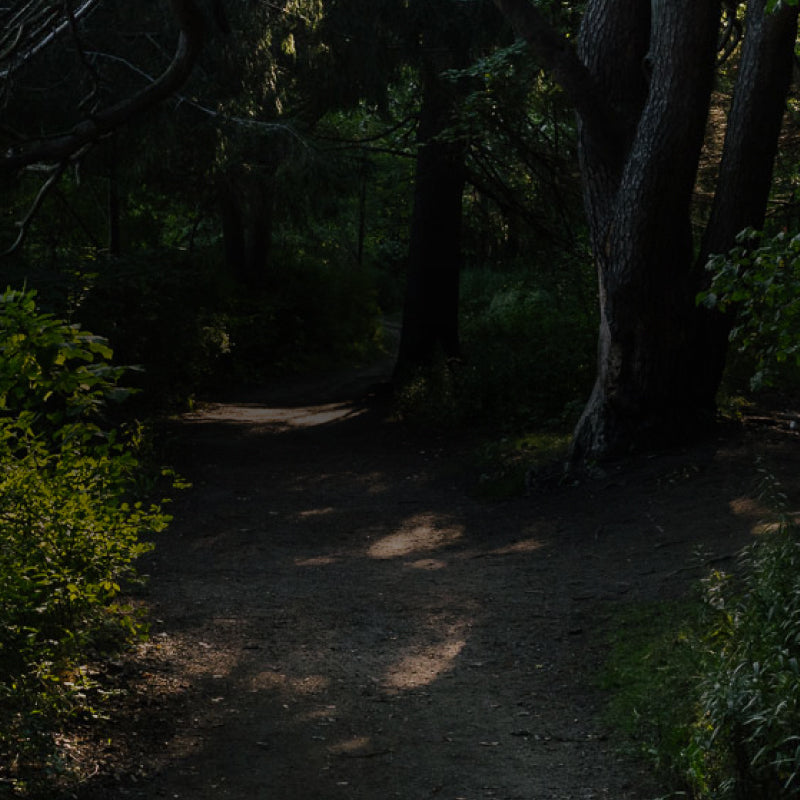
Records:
x=641, y=83
x=638, y=208
x=745, y=172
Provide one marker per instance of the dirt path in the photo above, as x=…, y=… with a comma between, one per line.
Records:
x=336, y=617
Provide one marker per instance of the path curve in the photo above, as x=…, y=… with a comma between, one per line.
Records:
x=336, y=618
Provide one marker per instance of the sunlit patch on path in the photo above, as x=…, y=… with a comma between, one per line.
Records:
x=421, y=534
x=423, y=665
x=255, y=414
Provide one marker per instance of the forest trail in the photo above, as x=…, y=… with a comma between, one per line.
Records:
x=335, y=617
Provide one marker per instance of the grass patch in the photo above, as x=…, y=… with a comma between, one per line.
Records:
x=651, y=676
x=507, y=467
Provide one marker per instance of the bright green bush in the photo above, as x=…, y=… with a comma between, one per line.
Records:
x=54, y=377
x=71, y=524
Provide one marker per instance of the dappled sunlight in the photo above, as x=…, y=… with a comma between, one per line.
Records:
x=281, y=418
x=422, y=533
x=747, y=507
x=774, y=526
x=522, y=546
x=350, y=747
x=317, y=561
x=426, y=661
x=272, y=680
x=316, y=512
x=427, y=564
x=761, y=518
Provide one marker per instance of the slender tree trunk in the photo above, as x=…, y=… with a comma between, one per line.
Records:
x=247, y=206
x=114, y=207
x=430, y=316
x=745, y=174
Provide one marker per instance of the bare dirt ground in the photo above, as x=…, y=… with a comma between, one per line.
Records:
x=336, y=617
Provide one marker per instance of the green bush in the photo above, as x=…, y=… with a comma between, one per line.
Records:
x=748, y=729
x=758, y=282
x=71, y=526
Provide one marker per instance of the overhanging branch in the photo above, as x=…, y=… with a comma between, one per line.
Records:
x=63, y=146
x=31, y=27
x=556, y=54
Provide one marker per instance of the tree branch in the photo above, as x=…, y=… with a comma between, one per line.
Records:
x=52, y=179
x=63, y=146
x=29, y=29
x=560, y=59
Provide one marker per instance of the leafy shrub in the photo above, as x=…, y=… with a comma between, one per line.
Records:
x=54, y=377
x=758, y=281
x=748, y=730
x=70, y=523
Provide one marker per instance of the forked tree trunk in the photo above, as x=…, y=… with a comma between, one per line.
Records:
x=639, y=215
x=430, y=315
x=660, y=358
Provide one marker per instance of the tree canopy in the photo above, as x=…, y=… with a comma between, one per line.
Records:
x=404, y=146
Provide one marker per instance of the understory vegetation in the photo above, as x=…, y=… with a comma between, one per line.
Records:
x=528, y=355
x=708, y=690
x=74, y=520
x=259, y=224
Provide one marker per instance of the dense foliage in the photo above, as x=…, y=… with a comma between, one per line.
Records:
x=73, y=525
x=745, y=741
x=758, y=282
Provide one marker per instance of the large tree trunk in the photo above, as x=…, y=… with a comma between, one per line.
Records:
x=660, y=359
x=639, y=215
x=430, y=315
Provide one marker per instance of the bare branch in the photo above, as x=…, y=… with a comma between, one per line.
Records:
x=33, y=27
x=95, y=78
x=63, y=146
x=55, y=175
x=225, y=119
